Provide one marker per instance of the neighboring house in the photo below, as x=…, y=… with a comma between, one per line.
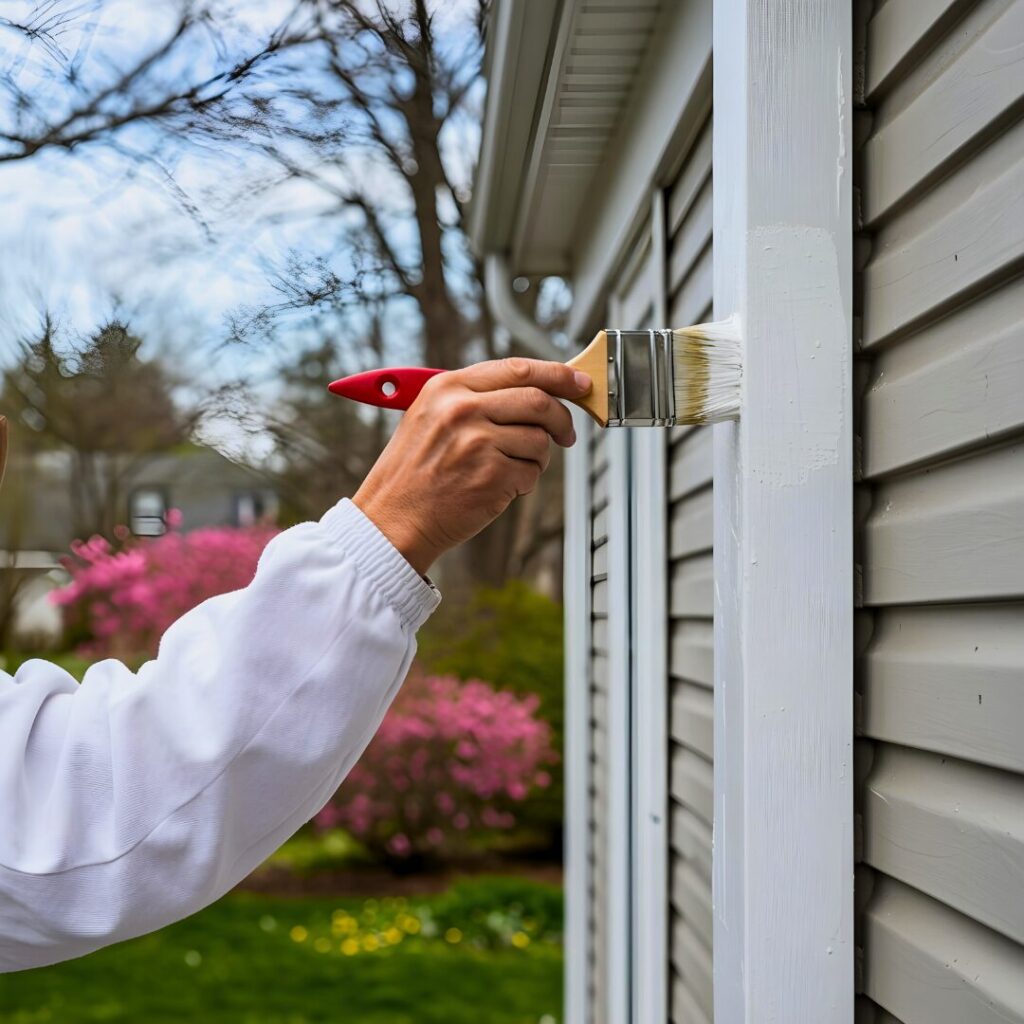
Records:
x=37, y=519
x=795, y=644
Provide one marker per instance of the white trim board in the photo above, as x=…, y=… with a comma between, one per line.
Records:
x=650, y=690
x=620, y=775
x=783, y=842
x=577, y=718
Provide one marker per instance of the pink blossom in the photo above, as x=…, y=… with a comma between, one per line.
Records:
x=126, y=597
x=399, y=845
x=450, y=758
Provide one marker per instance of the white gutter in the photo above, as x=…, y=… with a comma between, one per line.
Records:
x=501, y=301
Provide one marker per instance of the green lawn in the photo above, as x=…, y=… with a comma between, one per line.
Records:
x=486, y=951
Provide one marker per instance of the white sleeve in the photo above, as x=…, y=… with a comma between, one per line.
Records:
x=133, y=800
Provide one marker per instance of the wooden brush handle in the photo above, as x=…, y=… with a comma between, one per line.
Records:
x=593, y=361
x=399, y=386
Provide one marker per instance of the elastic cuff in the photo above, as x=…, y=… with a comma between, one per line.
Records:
x=412, y=597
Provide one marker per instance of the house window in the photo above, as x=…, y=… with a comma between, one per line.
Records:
x=148, y=512
x=253, y=507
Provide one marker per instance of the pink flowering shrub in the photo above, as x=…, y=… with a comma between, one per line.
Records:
x=452, y=759
x=123, y=597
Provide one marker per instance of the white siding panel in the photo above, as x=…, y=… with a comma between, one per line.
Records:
x=690, y=464
x=692, y=782
x=977, y=89
x=691, y=302
x=691, y=652
x=691, y=839
x=692, y=899
x=953, y=533
x=696, y=171
x=941, y=676
x=693, y=237
x=690, y=531
x=691, y=713
x=959, y=252
x=954, y=385
x=897, y=32
x=599, y=725
x=691, y=602
x=692, y=587
x=692, y=960
x=950, y=829
x=927, y=964
x=950, y=680
x=685, y=1008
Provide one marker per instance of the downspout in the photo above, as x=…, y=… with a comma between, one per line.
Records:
x=505, y=309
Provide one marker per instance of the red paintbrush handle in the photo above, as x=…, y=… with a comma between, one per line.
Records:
x=392, y=388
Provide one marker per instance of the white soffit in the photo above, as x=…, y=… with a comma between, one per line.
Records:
x=599, y=50
x=559, y=78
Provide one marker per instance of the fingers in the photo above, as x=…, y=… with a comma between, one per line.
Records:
x=528, y=444
x=532, y=407
x=554, y=378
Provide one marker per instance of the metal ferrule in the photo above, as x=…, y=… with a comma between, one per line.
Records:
x=641, y=391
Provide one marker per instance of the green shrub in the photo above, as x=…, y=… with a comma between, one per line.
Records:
x=12, y=660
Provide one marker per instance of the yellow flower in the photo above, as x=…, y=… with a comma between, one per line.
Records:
x=453, y=935
x=410, y=924
x=322, y=945
x=299, y=934
x=350, y=947
x=370, y=943
x=393, y=935
x=520, y=940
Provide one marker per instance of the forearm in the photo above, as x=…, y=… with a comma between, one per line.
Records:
x=137, y=800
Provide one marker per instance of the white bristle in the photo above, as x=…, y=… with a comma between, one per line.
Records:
x=708, y=371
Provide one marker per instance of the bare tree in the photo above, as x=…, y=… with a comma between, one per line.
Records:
x=381, y=125
x=373, y=107
x=65, y=84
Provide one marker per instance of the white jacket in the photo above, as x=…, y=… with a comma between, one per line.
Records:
x=133, y=800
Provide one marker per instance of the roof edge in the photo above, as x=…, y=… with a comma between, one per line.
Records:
x=518, y=63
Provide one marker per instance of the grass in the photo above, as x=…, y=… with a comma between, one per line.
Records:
x=11, y=660
x=486, y=950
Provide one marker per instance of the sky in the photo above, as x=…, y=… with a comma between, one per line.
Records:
x=89, y=234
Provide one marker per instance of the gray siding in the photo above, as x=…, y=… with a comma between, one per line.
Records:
x=598, y=837
x=940, y=674
x=690, y=611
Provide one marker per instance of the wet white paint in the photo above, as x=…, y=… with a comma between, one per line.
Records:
x=794, y=277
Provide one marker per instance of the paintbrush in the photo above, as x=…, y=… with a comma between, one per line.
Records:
x=641, y=378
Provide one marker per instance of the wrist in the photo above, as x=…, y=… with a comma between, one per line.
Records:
x=402, y=533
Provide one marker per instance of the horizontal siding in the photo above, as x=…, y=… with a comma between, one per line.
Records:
x=948, y=679
x=898, y=34
x=691, y=634
x=941, y=675
x=964, y=101
x=949, y=533
x=968, y=365
x=927, y=964
x=951, y=829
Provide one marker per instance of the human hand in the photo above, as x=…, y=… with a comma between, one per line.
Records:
x=472, y=442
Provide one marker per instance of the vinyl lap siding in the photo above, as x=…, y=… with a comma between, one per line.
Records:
x=690, y=612
x=598, y=833
x=940, y=675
